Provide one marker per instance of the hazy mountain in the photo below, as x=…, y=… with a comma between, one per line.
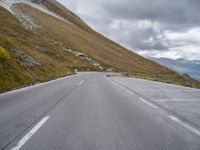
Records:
x=41, y=40
x=183, y=66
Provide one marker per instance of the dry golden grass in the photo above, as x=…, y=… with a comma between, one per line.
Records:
x=100, y=49
x=55, y=61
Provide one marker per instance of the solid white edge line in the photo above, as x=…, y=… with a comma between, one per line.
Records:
x=197, y=132
x=30, y=134
x=81, y=82
x=177, y=100
x=148, y=103
x=36, y=85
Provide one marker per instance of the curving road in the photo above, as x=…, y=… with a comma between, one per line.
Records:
x=89, y=111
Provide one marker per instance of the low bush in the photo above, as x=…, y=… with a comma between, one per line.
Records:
x=4, y=54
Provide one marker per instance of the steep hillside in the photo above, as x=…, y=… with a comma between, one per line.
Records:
x=43, y=40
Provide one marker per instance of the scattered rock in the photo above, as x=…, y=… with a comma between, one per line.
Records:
x=79, y=54
x=187, y=76
x=26, y=21
x=85, y=57
x=112, y=74
x=41, y=49
x=96, y=64
x=56, y=44
x=109, y=70
x=30, y=62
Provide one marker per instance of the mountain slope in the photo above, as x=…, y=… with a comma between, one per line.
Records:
x=45, y=41
x=192, y=68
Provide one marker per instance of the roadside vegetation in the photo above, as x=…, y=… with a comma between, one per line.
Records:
x=28, y=57
x=4, y=54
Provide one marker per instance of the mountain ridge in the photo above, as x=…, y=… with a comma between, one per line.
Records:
x=183, y=66
x=44, y=47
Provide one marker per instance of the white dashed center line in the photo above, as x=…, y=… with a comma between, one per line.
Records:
x=30, y=134
x=81, y=83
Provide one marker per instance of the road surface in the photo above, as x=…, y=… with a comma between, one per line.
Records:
x=89, y=111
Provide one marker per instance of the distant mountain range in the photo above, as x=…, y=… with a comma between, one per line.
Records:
x=183, y=66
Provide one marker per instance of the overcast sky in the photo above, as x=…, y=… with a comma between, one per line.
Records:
x=156, y=28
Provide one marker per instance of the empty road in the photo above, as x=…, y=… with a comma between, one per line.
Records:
x=90, y=111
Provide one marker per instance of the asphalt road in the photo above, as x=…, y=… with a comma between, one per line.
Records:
x=89, y=111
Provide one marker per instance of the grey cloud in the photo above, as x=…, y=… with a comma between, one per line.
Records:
x=164, y=11
x=171, y=15
x=141, y=24
x=145, y=38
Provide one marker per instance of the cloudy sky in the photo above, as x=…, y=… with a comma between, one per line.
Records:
x=156, y=28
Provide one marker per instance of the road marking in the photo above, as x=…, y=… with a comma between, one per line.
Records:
x=177, y=100
x=36, y=85
x=157, y=90
x=30, y=134
x=197, y=132
x=150, y=104
x=81, y=83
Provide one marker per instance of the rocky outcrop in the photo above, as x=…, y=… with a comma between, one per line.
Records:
x=85, y=57
x=28, y=22
x=30, y=62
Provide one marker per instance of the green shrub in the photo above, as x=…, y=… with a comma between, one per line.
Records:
x=4, y=54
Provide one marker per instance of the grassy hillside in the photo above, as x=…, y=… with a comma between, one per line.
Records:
x=30, y=56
